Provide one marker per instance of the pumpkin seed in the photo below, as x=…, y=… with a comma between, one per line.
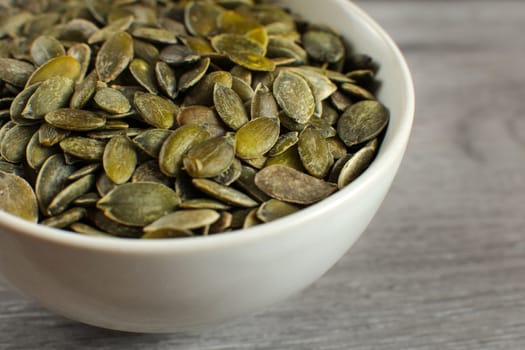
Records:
x=229, y=106
x=150, y=141
x=65, y=219
x=138, y=204
x=155, y=110
x=203, y=92
x=194, y=75
x=166, y=79
x=105, y=224
x=49, y=135
x=146, y=51
x=84, y=91
x=323, y=46
x=203, y=203
x=85, y=170
x=209, y=158
x=289, y=185
x=112, y=101
x=65, y=197
x=87, y=230
x=114, y=56
x=36, y=154
x=284, y=142
x=45, y=48
x=51, y=179
x=256, y=138
x=275, y=209
x=362, y=122
x=74, y=119
x=15, y=72
x=83, y=147
x=166, y=234
x=201, y=17
x=357, y=92
x=231, y=174
x=177, y=55
x=222, y=224
x=17, y=197
x=251, y=219
x=243, y=89
x=119, y=159
x=294, y=96
x=263, y=104
x=224, y=193
x=204, y=117
x=144, y=74
x=14, y=143
x=63, y=66
x=315, y=152
x=322, y=87
x=289, y=158
x=19, y=103
x=52, y=94
x=82, y=53
x=356, y=165
x=157, y=35
x=176, y=145
x=150, y=172
x=183, y=220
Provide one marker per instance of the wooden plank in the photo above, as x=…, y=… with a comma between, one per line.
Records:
x=441, y=265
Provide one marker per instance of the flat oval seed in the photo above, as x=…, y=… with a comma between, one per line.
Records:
x=85, y=170
x=157, y=35
x=52, y=94
x=362, y=122
x=355, y=166
x=63, y=66
x=144, y=74
x=323, y=46
x=284, y=142
x=150, y=141
x=150, y=172
x=155, y=110
x=294, y=96
x=65, y=219
x=97, y=218
x=15, y=72
x=17, y=197
x=119, y=159
x=177, y=144
x=65, y=197
x=203, y=116
x=263, y=104
x=229, y=106
x=45, y=48
x=275, y=209
x=87, y=230
x=182, y=220
x=357, y=92
x=75, y=119
x=138, y=204
x=14, y=143
x=209, y=158
x=83, y=147
x=224, y=193
x=82, y=53
x=49, y=136
x=112, y=101
x=51, y=179
x=114, y=56
x=322, y=87
x=292, y=186
x=166, y=78
x=314, y=152
x=36, y=154
x=202, y=93
x=256, y=138
x=201, y=17
x=20, y=102
x=84, y=91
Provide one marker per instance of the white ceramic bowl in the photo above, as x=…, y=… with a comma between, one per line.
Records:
x=177, y=285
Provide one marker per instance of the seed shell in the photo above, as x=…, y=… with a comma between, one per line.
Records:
x=294, y=96
x=74, y=119
x=362, y=122
x=17, y=197
x=155, y=110
x=119, y=159
x=114, y=56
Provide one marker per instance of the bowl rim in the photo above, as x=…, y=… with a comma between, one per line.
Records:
x=384, y=159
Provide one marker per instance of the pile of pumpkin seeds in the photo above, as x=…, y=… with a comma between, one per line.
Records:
x=156, y=119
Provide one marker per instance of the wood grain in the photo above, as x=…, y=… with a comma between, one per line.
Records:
x=442, y=264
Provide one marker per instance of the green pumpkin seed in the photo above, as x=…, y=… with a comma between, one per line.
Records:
x=357, y=92
x=87, y=200
x=284, y=142
x=87, y=230
x=52, y=94
x=251, y=219
x=209, y=158
x=65, y=219
x=201, y=17
x=292, y=186
x=19, y=103
x=82, y=53
x=36, y=154
x=204, y=117
x=279, y=47
x=15, y=169
x=264, y=104
x=65, y=197
x=146, y=51
x=229, y=106
x=230, y=175
x=45, y=48
x=74, y=119
x=84, y=91
x=176, y=145
x=242, y=73
x=362, y=122
x=203, y=203
x=323, y=46
x=144, y=74
x=356, y=165
x=114, y=56
x=361, y=75
x=167, y=234
x=322, y=87
x=246, y=181
x=340, y=101
x=49, y=135
x=97, y=218
x=85, y=170
x=315, y=152
x=177, y=55
x=157, y=35
x=194, y=75
x=256, y=138
x=15, y=72
x=252, y=61
x=17, y=197
x=150, y=141
x=155, y=110
x=64, y=66
x=294, y=96
x=14, y=143
x=222, y=224
x=243, y=89
x=337, y=147
x=51, y=179
x=275, y=209
x=122, y=24
x=183, y=220
x=166, y=79
x=83, y=147
x=119, y=159
x=224, y=193
x=138, y=204
x=150, y=172
x=112, y=101
x=203, y=92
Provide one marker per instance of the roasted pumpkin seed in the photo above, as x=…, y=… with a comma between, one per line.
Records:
x=17, y=197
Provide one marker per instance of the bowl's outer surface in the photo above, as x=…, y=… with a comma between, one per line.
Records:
x=168, y=286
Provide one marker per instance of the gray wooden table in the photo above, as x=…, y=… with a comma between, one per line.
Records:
x=442, y=266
